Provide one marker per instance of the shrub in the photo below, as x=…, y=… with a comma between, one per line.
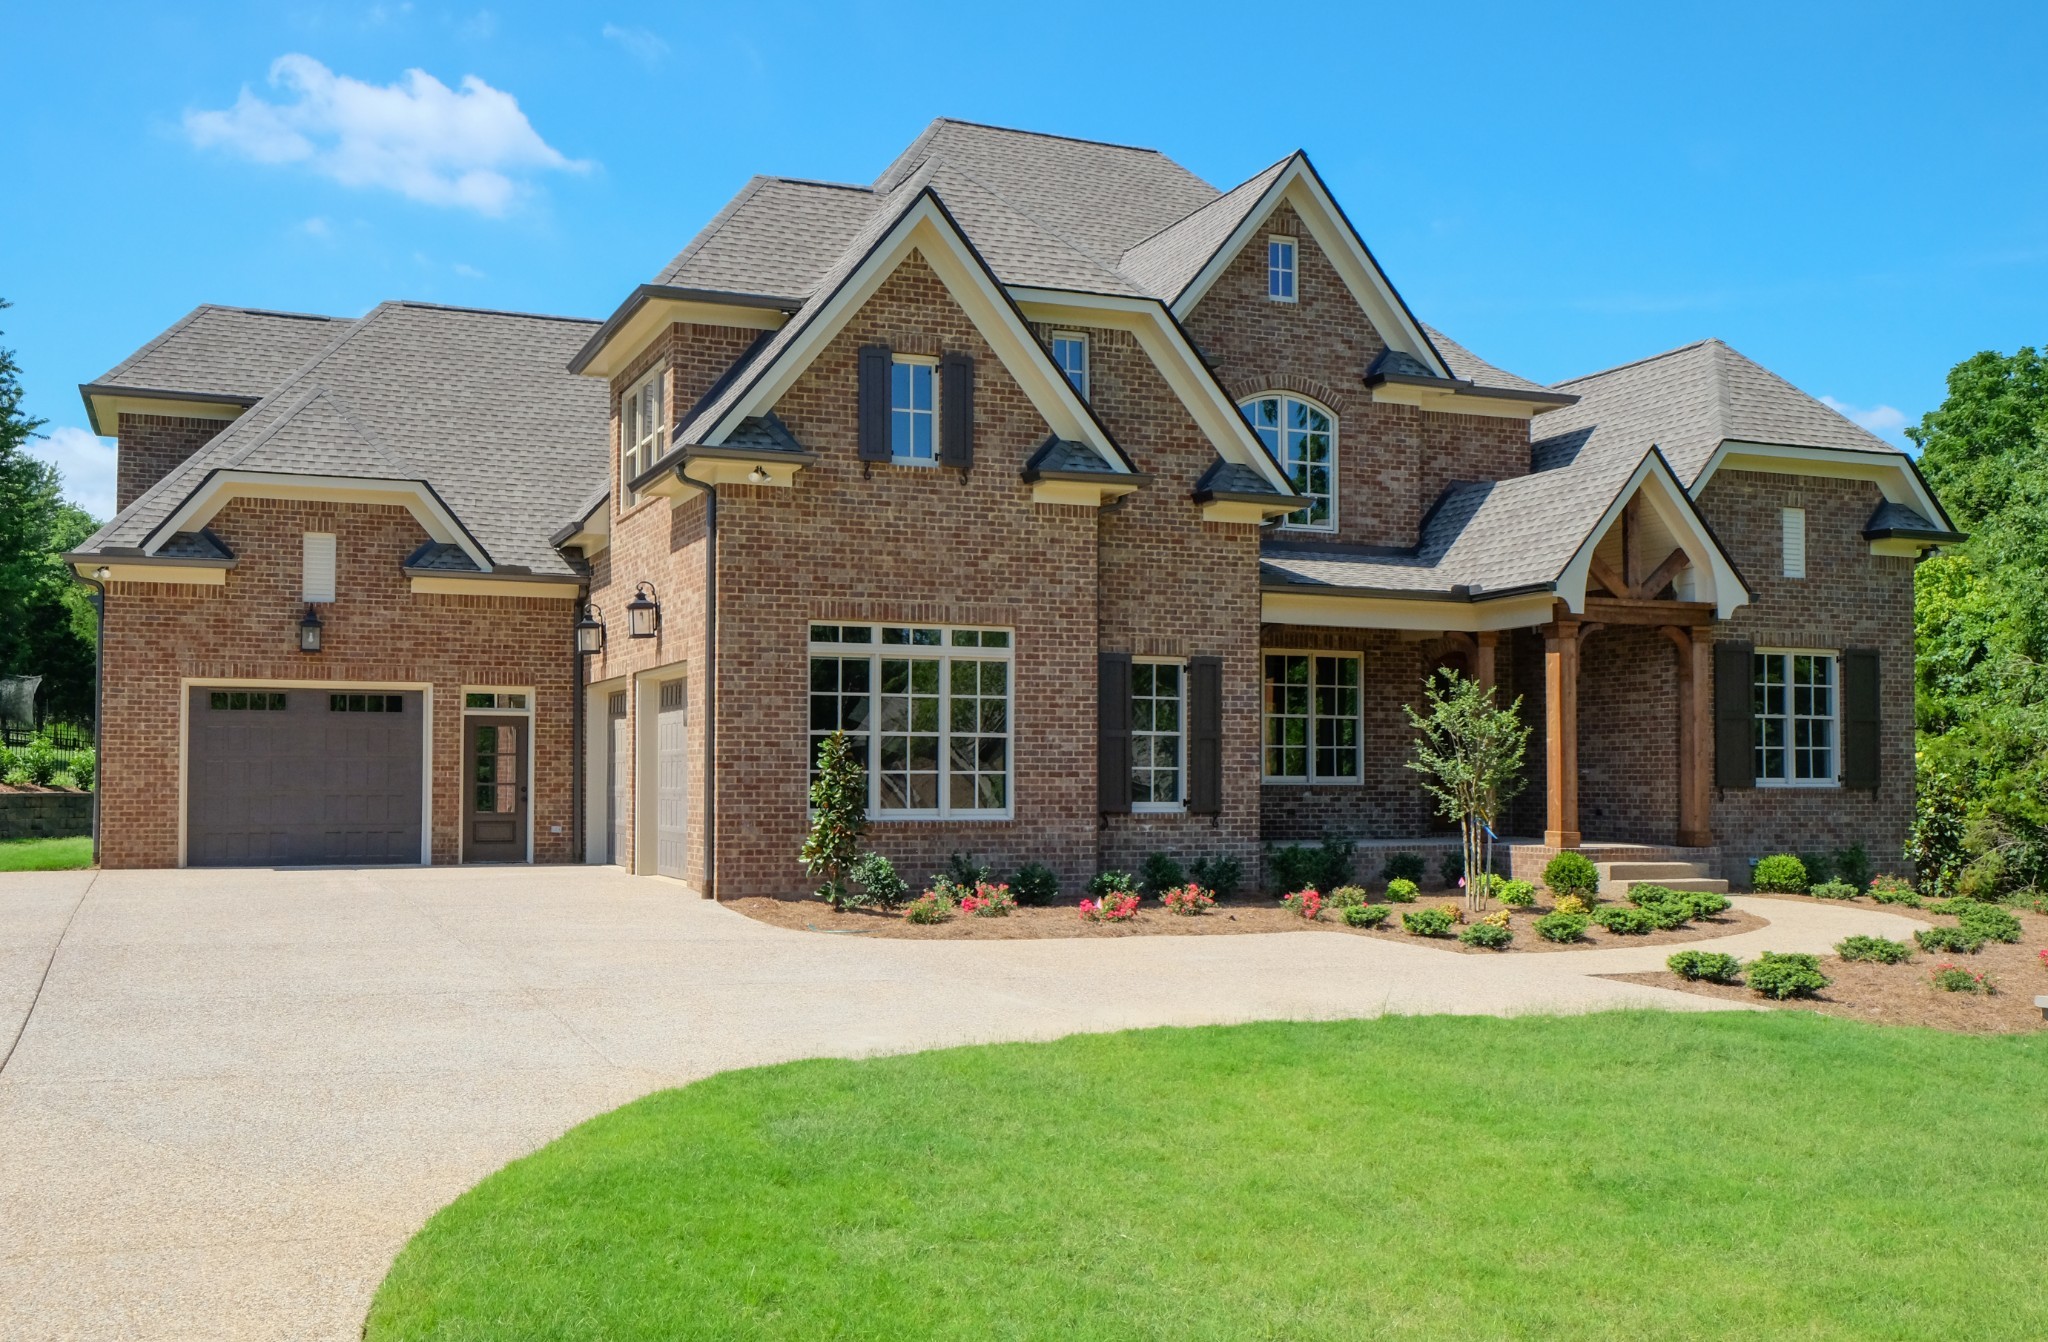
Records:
x=1787, y=974
x=40, y=760
x=1035, y=884
x=875, y=882
x=1571, y=904
x=1956, y=979
x=989, y=901
x=1221, y=876
x=1706, y=966
x=1291, y=867
x=1834, y=890
x=1561, y=926
x=1572, y=874
x=1113, y=883
x=1706, y=903
x=1493, y=936
x=1666, y=908
x=1779, y=874
x=966, y=873
x=1430, y=922
x=1333, y=864
x=1623, y=920
x=929, y=907
x=1665, y=917
x=1948, y=940
x=1451, y=869
x=1852, y=864
x=1515, y=894
x=1991, y=923
x=839, y=816
x=1874, y=950
x=948, y=889
x=1937, y=843
x=1161, y=873
x=1366, y=915
x=1401, y=890
x=1893, y=890
x=1306, y=902
x=1403, y=867
x=8, y=763
x=1113, y=907
x=1346, y=897
x=1820, y=868
x=1187, y=900
x=85, y=768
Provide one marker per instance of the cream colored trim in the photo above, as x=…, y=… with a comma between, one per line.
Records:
x=215, y=576
x=1893, y=474
x=656, y=315
x=531, y=765
x=105, y=411
x=187, y=684
x=1233, y=510
x=1338, y=611
x=414, y=496
x=597, y=740
x=1901, y=549
x=595, y=534
x=1450, y=401
x=733, y=471
x=449, y=584
x=1084, y=493
x=1714, y=577
x=646, y=736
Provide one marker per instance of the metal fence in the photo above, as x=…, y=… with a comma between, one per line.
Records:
x=65, y=736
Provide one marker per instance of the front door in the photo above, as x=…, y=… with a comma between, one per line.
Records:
x=494, y=802
x=621, y=850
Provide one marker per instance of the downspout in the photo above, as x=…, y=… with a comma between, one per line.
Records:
x=578, y=759
x=99, y=699
x=710, y=691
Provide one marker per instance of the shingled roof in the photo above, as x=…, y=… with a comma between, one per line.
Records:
x=218, y=353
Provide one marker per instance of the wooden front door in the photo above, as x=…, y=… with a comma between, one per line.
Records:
x=494, y=802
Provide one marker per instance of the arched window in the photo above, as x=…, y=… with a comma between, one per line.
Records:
x=1302, y=437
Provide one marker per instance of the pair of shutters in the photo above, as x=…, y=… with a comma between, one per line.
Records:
x=1203, y=725
x=1735, y=731
x=956, y=406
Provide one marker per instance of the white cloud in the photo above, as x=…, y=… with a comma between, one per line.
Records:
x=1883, y=420
x=642, y=45
x=87, y=463
x=469, y=147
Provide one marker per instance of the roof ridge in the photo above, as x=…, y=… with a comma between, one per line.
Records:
x=1048, y=135
x=483, y=312
x=1632, y=363
x=269, y=312
x=816, y=181
x=314, y=394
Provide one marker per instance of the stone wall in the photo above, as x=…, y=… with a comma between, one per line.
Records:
x=45, y=815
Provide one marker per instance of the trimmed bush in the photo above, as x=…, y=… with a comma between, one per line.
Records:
x=1666, y=908
x=1431, y=922
x=85, y=767
x=1779, y=874
x=1035, y=884
x=1852, y=864
x=1296, y=866
x=1401, y=890
x=1492, y=936
x=1113, y=883
x=1948, y=940
x=1991, y=923
x=875, y=882
x=1347, y=897
x=1820, y=868
x=1787, y=974
x=1572, y=874
x=1572, y=904
x=1515, y=894
x=929, y=907
x=1366, y=915
x=1706, y=966
x=1451, y=869
x=40, y=760
x=967, y=873
x=1562, y=927
x=1220, y=876
x=1404, y=867
x=1834, y=890
x=1874, y=950
x=1706, y=903
x=1894, y=890
x=1623, y=920
x=1956, y=979
x=1161, y=873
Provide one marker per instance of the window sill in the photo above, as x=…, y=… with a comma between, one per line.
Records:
x=934, y=818
x=1158, y=808
x=1798, y=784
x=1311, y=782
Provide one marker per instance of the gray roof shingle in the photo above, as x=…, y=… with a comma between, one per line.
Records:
x=1165, y=263
x=776, y=238
x=234, y=353
x=1463, y=363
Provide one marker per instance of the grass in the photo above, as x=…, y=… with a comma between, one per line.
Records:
x=1625, y=1176
x=45, y=854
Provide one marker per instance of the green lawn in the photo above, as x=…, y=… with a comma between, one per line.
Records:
x=1622, y=1176
x=45, y=854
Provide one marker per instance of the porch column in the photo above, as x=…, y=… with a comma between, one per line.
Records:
x=1561, y=732
x=1694, y=725
x=1487, y=641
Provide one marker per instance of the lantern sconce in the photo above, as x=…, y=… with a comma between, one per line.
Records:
x=590, y=630
x=643, y=613
x=309, y=630
x=758, y=475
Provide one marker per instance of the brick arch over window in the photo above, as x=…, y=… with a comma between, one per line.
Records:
x=1300, y=432
x=1244, y=389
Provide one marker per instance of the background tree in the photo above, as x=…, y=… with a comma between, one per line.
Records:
x=1470, y=752
x=839, y=816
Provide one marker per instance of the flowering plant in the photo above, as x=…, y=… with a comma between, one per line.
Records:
x=1188, y=900
x=1111, y=908
x=1308, y=902
x=2044, y=957
x=988, y=901
x=1955, y=979
x=929, y=907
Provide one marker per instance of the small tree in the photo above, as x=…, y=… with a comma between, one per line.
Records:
x=839, y=816
x=1470, y=751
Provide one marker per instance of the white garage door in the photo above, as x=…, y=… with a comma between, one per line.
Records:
x=672, y=781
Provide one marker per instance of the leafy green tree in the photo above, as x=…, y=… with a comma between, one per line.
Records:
x=1470, y=752
x=839, y=817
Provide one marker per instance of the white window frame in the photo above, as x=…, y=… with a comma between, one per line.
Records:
x=498, y=693
x=1314, y=719
x=948, y=650
x=1792, y=530
x=643, y=416
x=319, y=567
x=1179, y=736
x=1078, y=377
x=1276, y=268
x=1791, y=718
x=911, y=413
x=1277, y=450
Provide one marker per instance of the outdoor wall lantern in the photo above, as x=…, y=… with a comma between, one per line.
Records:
x=643, y=613
x=309, y=631
x=758, y=475
x=590, y=631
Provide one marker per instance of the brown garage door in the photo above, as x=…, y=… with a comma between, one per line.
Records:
x=290, y=777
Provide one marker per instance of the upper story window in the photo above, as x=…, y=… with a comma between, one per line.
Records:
x=1302, y=437
x=1280, y=269
x=642, y=415
x=1070, y=352
x=912, y=424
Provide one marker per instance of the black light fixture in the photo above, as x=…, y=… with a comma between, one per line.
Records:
x=309, y=631
x=590, y=631
x=643, y=613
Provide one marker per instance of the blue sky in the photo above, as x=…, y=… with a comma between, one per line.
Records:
x=1856, y=196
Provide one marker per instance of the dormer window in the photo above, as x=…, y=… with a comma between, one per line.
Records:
x=1070, y=352
x=642, y=416
x=912, y=424
x=1280, y=269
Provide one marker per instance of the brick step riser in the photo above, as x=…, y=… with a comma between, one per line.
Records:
x=1620, y=889
x=1649, y=871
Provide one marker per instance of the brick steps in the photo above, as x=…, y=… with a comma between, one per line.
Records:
x=1617, y=878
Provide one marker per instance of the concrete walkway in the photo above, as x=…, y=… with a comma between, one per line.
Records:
x=239, y=1093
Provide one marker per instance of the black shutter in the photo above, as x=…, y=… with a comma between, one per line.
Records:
x=874, y=402
x=1734, y=724
x=1861, y=719
x=1205, y=735
x=1113, y=732
x=956, y=410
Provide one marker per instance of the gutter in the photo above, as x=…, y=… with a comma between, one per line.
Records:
x=1459, y=592
x=1463, y=387
x=710, y=693
x=99, y=699
x=577, y=754
x=648, y=293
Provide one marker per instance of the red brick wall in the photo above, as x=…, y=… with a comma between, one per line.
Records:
x=150, y=445
x=1469, y=447
x=1628, y=737
x=376, y=632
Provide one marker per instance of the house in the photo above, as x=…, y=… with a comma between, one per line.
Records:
x=1106, y=511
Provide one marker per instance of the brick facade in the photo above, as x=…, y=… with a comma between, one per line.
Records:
x=151, y=445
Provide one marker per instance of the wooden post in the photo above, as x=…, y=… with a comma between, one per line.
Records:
x=1483, y=659
x=1694, y=725
x=1561, y=734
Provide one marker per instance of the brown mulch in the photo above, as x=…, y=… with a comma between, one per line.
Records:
x=1903, y=994
x=1234, y=916
x=31, y=787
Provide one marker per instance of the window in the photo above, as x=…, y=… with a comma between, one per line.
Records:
x=1794, y=520
x=1157, y=743
x=641, y=421
x=245, y=700
x=1793, y=704
x=494, y=699
x=927, y=710
x=366, y=703
x=911, y=422
x=1280, y=269
x=1302, y=437
x=316, y=570
x=1312, y=718
x=1070, y=352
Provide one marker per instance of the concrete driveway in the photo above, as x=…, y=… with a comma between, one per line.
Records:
x=239, y=1092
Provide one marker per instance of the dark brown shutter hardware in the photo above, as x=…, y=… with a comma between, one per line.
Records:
x=1205, y=735
x=1734, y=716
x=1113, y=733
x=875, y=372
x=956, y=410
x=1862, y=720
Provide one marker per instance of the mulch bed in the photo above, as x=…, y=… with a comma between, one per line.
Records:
x=1233, y=916
x=31, y=787
x=1903, y=995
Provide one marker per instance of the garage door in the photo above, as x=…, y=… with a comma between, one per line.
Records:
x=289, y=777
x=672, y=763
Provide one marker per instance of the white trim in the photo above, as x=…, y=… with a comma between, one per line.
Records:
x=1714, y=578
x=1834, y=656
x=319, y=567
x=656, y=315
x=651, y=433
x=449, y=584
x=929, y=413
x=1292, y=269
x=645, y=710
x=105, y=408
x=1792, y=541
x=187, y=684
x=1311, y=778
x=415, y=496
x=1338, y=610
x=1891, y=472
x=186, y=575
x=1280, y=431
x=462, y=753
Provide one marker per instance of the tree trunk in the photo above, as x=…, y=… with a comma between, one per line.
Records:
x=1475, y=876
